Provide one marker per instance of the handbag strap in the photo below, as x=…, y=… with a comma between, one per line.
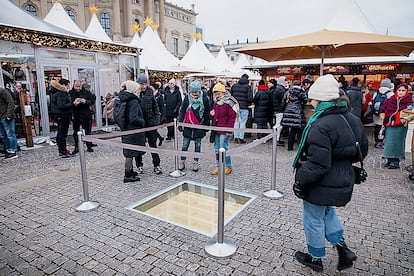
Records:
x=356, y=142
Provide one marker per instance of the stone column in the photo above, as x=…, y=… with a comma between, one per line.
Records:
x=162, y=21
x=81, y=16
x=117, y=35
x=128, y=18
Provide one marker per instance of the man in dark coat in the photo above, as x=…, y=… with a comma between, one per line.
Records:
x=160, y=98
x=326, y=177
x=82, y=116
x=152, y=116
x=135, y=121
x=355, y=97
x=243, y=93
x=61, y=105
x=173, y=102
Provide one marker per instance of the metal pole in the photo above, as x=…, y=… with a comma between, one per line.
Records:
x=86, y=205
x=176, y=172
x=273, y=193
x=220, y=247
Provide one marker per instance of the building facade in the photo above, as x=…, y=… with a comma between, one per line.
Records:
x=176, y=24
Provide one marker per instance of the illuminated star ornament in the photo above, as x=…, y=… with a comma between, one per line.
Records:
x=222, y=43
x=60, y=1
x=93, y=9
x=194, y=36
x=154, y=26
x=136, y=28
x=199, y=36
x=147, y=21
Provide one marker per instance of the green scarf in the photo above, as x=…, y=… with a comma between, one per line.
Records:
x=319, y=110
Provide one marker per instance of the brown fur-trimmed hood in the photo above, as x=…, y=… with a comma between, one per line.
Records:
x=58, y=86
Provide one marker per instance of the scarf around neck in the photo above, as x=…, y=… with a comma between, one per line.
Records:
x=319, y=110
x=227, y=98
x=196, y=103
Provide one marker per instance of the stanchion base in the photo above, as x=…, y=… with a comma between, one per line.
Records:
x=273, y=194
x=177, y=173
x=220, y=250
x=87, y=206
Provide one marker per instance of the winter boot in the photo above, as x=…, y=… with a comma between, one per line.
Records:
x=75, y=150
x=346, y=256
x=314, y=263
x=130, y=177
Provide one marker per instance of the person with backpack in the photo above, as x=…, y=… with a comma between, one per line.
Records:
x=383, y=93
x=194, y=110
x=128, y=115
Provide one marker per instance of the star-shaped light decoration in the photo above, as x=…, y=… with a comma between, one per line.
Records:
x=199, y=36
x=93, y=9
x=154, y=26
x=194, y=36
x=60, y=1
x=222, y=43
x=147, y=21
x=136, y=28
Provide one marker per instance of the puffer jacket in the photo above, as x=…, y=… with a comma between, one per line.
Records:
x=294, y=115
x=243, y=93
x=262, y=105
x=278, y=94
x=60, y=102
x=327, y=176
x=6, y=104
x=150, y=109
x=135, y=121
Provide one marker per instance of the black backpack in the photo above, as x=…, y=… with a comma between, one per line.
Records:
x=377, y=102
x=120, y=113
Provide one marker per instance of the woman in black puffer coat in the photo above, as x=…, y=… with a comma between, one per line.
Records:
x=293, y=116
x=326, y=177
x=262, y=107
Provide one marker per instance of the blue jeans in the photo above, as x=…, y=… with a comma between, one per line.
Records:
x=244, y=115
x=320, y=222
x=222, y=141
x=186, y=144
x=8, y=135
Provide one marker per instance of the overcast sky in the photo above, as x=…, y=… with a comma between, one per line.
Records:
x=224, y=20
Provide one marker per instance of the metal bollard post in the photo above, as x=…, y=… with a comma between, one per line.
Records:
x=86, y=205
x=177, y=172
x=220, y=247
x=273, y=193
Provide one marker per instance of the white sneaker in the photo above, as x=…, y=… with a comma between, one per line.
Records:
x=140, y=170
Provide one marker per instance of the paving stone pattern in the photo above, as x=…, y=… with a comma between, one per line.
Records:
x=41, y=233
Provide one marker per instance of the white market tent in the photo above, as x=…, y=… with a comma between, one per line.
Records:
x=154, y=55
x=13, y=16
x=58, y=17
x=200, y=58
x=95, y=30
x=224, y=61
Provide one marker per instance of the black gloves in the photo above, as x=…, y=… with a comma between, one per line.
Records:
x=298, y=190
x=180, y=128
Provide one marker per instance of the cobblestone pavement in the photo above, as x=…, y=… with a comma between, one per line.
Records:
x=42, y=233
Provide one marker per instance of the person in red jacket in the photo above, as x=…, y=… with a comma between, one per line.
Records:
x=224, y=113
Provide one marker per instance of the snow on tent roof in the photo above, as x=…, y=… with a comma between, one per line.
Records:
x=58, y=17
